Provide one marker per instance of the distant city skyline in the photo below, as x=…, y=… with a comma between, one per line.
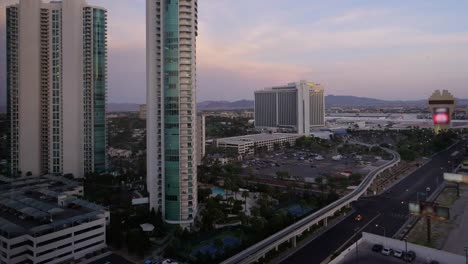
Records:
x=386, y=50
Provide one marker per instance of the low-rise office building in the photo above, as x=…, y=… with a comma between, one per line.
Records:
x=42, y=220
x=251, y=144
x=142, y=112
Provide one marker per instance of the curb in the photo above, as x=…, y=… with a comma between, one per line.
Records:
x=411, y=222
x=312, y=237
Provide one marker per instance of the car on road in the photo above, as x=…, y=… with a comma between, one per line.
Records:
x=358, y=217
x=410, y=256
x=169, y=261
x=377, y=248
x=386, y=251
x=398, y=254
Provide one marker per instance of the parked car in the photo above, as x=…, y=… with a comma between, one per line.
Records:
x=358, y=218
x=410, y=256
x=386, y=251
x=398, y=254
x=377, y=248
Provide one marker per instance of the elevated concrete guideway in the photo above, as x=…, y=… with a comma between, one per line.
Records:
x=290, y=233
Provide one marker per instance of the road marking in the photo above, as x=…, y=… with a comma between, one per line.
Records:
x=359, y=231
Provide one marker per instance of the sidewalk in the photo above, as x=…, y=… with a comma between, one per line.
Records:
x=458, y=236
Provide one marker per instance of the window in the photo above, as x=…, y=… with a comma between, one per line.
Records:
x=171, y=197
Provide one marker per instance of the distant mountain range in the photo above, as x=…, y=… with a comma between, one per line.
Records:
x=330, y=101
x=226, y=105
x=123, y=107
x=354, y=101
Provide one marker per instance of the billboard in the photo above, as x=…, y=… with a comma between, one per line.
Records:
x=441, y=115
x=414, y=208
x=429, y=209
x=456, y=178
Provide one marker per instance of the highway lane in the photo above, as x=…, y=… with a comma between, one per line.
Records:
x=391, y=209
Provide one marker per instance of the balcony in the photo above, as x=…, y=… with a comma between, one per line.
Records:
x=185, y=29
x=185, y=9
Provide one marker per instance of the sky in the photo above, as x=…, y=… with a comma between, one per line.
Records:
x=395, y=49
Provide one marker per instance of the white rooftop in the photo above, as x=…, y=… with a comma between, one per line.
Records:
x=256, y=138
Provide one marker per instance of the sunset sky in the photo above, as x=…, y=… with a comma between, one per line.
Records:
x=395, y=49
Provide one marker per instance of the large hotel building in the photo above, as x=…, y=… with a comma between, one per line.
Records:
x=297, y=106
x=56, y=87
x=171, y=109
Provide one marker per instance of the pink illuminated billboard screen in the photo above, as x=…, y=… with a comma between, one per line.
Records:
x=441, y=116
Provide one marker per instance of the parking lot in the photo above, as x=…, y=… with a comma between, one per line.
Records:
x=365, y=255
x=306, y=165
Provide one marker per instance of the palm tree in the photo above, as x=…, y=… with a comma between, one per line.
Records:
x=219, y=244
x=245, y=194
x=228, y=185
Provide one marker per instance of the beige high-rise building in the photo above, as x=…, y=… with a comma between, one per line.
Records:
x=56, y=87
x=201, y=145
x=298, y=106
x=142, y=112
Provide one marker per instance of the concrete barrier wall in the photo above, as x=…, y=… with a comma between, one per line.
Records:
x=422, y=253
x=343, y=254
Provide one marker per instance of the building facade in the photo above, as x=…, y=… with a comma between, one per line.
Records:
x=297, y=106
x=442, y=106
x=142, y=112
x=171, y=108
x=43, y=221
x=251, y=144
x=56, y=87
x=201, y=144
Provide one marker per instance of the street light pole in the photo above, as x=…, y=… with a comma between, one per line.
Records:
x=357, y=252
x=406, y=248
x=466, y=254
x=357, y=240
x=384, y=231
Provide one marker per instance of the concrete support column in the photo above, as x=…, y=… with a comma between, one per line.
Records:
x=276, y=248
x=294, y=243
x=325, y=222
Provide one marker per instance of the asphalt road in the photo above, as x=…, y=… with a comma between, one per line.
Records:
x=389, y=211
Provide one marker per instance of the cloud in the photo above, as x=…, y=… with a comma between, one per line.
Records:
x=396, y=50
x=353, y=16
x=347, y=53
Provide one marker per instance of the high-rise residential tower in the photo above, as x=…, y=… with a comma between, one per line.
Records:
x=297, y=106
x=201, y=136
x=56, y=87
x=171, y=31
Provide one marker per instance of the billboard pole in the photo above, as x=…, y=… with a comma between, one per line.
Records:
x=428, y=219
